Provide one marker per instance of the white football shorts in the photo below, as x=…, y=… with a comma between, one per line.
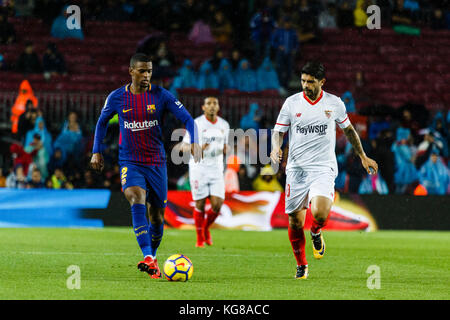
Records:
x=302, y=186
x=205, y=183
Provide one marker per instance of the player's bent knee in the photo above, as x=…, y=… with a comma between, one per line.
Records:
x=295, y=222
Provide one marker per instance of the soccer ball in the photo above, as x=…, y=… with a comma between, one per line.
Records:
x=178, y=268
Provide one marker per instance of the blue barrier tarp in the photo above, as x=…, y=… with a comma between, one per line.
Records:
x=50, y=208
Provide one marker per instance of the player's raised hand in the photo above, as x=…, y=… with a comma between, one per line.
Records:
x=276, y=155
x=197, y=152
x=370, y=165
x=97, y=162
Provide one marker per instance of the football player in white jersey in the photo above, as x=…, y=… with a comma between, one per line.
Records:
x=311, y=117
x=207, y=176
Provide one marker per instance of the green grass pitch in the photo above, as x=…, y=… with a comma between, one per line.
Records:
x=239, y=266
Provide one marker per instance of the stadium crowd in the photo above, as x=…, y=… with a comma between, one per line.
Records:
x=411, y=144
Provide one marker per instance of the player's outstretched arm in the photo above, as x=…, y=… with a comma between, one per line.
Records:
x=369, y=164
x=276, y=155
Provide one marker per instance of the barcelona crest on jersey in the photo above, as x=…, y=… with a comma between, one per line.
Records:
x=151, y=108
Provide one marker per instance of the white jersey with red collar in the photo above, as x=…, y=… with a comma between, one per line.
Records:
x=312, y=130
x=216, y=135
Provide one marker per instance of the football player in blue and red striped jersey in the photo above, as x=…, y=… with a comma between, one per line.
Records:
x=140, y=106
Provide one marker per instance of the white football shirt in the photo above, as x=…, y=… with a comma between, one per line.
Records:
x=216, y=135
x=312, y=130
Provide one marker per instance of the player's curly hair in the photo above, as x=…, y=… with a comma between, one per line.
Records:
x=315, y=69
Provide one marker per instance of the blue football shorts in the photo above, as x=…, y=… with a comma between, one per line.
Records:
x=153, y=179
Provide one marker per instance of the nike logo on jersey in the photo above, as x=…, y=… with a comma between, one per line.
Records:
x=125, y=111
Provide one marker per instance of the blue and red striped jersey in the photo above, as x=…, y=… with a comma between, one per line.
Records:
x=140, y=121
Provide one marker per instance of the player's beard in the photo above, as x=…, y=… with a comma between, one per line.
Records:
x=311, y=94
x=144, y=86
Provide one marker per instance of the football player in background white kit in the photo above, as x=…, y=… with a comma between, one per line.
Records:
x=207, y=176
x=311, y=117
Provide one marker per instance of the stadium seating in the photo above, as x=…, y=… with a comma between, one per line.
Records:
x=397, y=68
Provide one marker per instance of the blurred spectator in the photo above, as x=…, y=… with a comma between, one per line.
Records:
x=57, y=160
x=45, y=136
x=400, y=15
x=216, y=59
x=407, y=121
x=439, y=125
x=17, y=178
x=226, y=78
x=36, y=181
x=267, y=181
x=328, y=17
x=163, y=61
x=349, y=102
x=186, y=78
x=434, y=175
x=70, y=138
x=404, y=153
x=7, y=32
x=53, y=62
x=221, y=28
x=360, y=15
x=262, y=25
x=373, y=184
x=382, y=154
x=354, y=170
x=267, y=76
x=360, y=90
x=22, y=157
x=285, y=44
x=207, y=77
x=60, y=29
x=201, y=33
x=235, y=60
x=345, y=15
x=27, y=121
x=59, y=180
x=19, y=107
x=438, y=21
x=90, y=181
x=245, y=77
x=411, y=5
x=432, y=140
x=245, y=183
x=28, y=61
x=41, y=158
x=307, y=22
x=252, y=119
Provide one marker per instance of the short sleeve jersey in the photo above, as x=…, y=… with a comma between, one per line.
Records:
x=216, y=135
x=312, y=130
